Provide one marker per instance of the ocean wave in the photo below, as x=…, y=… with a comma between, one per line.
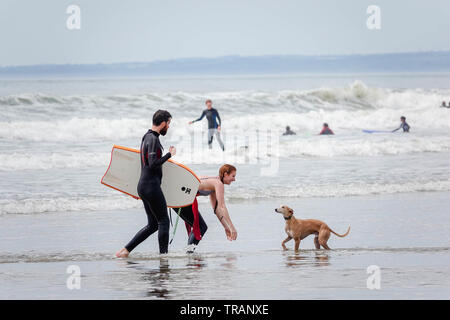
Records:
x=96, y=129
x=74, y=129
x=239, y=153
x=127, y=116
x=66, y=204
x=122, y=202
x=269, y=110
x=367, y=146
x=338, y=190
x=44, y=161
x=355, y=96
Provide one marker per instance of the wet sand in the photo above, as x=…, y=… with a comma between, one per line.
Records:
x=405, y=235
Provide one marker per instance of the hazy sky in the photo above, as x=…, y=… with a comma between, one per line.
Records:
x=35, y=31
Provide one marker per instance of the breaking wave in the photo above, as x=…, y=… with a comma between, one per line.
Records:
x=121, y=202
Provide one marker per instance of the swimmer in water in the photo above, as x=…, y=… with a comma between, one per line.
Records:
x=326, y=130
x=288, y=132
x=403, y=125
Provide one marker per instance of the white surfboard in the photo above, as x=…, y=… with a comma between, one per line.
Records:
x=179, y=183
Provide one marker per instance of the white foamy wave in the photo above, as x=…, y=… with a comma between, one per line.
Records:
x=116, y=117
x=44, y=161
x=355, y=96
x=341, y=121
x=292, y=147
x=367, y=146
x=122, y=202
x=30, y=99
x=74, y=129
x=65, y=204
x=337, y=190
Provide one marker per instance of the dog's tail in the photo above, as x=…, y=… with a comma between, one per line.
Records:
x=341, y=235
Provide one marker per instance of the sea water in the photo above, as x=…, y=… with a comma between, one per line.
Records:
x=56, y=137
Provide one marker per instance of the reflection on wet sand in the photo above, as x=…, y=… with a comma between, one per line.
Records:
x=230, y=262
x=158, y=278
x=318, y=259
x=196, y=261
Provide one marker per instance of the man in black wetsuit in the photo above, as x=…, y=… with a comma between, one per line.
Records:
x=403, y=125
x=214, y=122
x=149, y=186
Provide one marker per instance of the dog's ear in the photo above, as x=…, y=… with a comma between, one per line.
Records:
x=291, y=211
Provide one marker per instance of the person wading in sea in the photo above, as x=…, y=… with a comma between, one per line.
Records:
x=214, y=123
x=149, y=186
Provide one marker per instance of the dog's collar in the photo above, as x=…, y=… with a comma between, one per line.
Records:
x=288, y=217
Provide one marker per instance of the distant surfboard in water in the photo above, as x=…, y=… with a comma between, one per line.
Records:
x=376, y=131
x=179, y=183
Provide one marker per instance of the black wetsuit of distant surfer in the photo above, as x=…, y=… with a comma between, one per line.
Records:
x=212, y=115
x=149, y=189
x=403, y=126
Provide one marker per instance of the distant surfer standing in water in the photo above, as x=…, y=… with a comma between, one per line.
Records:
x=214, y=123
x=214, y=188
x=149, y=186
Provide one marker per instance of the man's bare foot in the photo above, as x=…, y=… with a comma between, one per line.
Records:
x=122, y=253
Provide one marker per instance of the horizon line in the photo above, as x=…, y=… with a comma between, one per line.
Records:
x=227, y=56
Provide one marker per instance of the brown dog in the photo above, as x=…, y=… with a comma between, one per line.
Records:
x=299, y=229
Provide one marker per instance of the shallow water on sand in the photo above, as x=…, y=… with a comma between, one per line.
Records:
x=405, y=235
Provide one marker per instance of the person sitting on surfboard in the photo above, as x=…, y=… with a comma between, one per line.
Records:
x=403, y=125
x=326, y=129
x=443, y=105
x=214, y=188
x=149, y=186
x=288, y=132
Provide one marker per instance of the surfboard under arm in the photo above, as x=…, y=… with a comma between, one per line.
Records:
x=179, y=183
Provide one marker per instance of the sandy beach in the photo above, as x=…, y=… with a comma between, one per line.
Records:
x=406, y=235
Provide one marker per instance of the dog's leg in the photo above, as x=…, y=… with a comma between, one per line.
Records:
x=284, y=241
x=324, y=235
x=316, y=242
x=324, y=244
x=297, y=243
